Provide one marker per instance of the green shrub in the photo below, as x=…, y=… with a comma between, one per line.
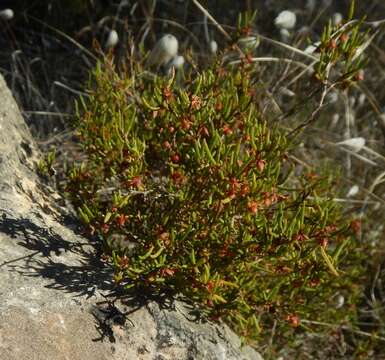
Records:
x=193, y=192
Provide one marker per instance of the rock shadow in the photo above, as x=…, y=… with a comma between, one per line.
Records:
x=51, y=256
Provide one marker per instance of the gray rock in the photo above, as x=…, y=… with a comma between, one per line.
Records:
x=53, y=287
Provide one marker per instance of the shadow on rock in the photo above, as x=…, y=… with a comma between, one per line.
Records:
x=67, y=264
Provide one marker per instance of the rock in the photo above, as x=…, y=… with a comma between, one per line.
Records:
x=54, y=292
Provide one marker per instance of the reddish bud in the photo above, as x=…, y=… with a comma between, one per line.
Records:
x=121, y=219
x=314, y=282
x=234, y=183
x=218, y=106
x=196, y=102
x=300, y=237
x=360, y=75
x=175, y=158
x=293, y=320
x=105, y=228
x=136, y=182
x=245, y=189
x=227, y=130
x=246, y=31
x=344, y=37
x=210, y=286
x=355, y=225
x=123, y=262
x=252, y=206
x=185, y=124
x=167, y=93
x=166, y=145
x=323, y=242
x=167, y=272
x=204, y=131
x=177, y=177
x=332, y=44
x=260, y=164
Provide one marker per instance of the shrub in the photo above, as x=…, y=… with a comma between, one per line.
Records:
x=193, y=192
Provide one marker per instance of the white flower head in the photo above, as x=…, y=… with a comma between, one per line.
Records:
x=335, y=119
x=355, y=144
x=213, y=47
x=337, y=19
x=310, y=49
x=164, y=50
x=248, y=43
x=361, y=99
x=177, y=62
x=6, y=14
x=285, y=35
x=112, y=39
x=332, y=97
x=353, y=191
x=340, y=301
x=285, y=20
x=310, y=5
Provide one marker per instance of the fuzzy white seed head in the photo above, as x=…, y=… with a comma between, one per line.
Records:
x=353, y=191
x=310, y=5
x=355, y=144
x=213, y=47
x=177, y=62
x=112, y=39
x=6, y=14
x=248, y=43
x=335, y=120
x=332, y=97
x=164, y=50
x=310, y=49
x=352, y=101
x=340, y=301
x=285, y=35
x=285, y=20
x=337, y=19
x=361, y=99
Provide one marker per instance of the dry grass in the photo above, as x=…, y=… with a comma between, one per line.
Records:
x=47, y=69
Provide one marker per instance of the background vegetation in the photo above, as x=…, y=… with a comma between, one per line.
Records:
x=46, y=59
